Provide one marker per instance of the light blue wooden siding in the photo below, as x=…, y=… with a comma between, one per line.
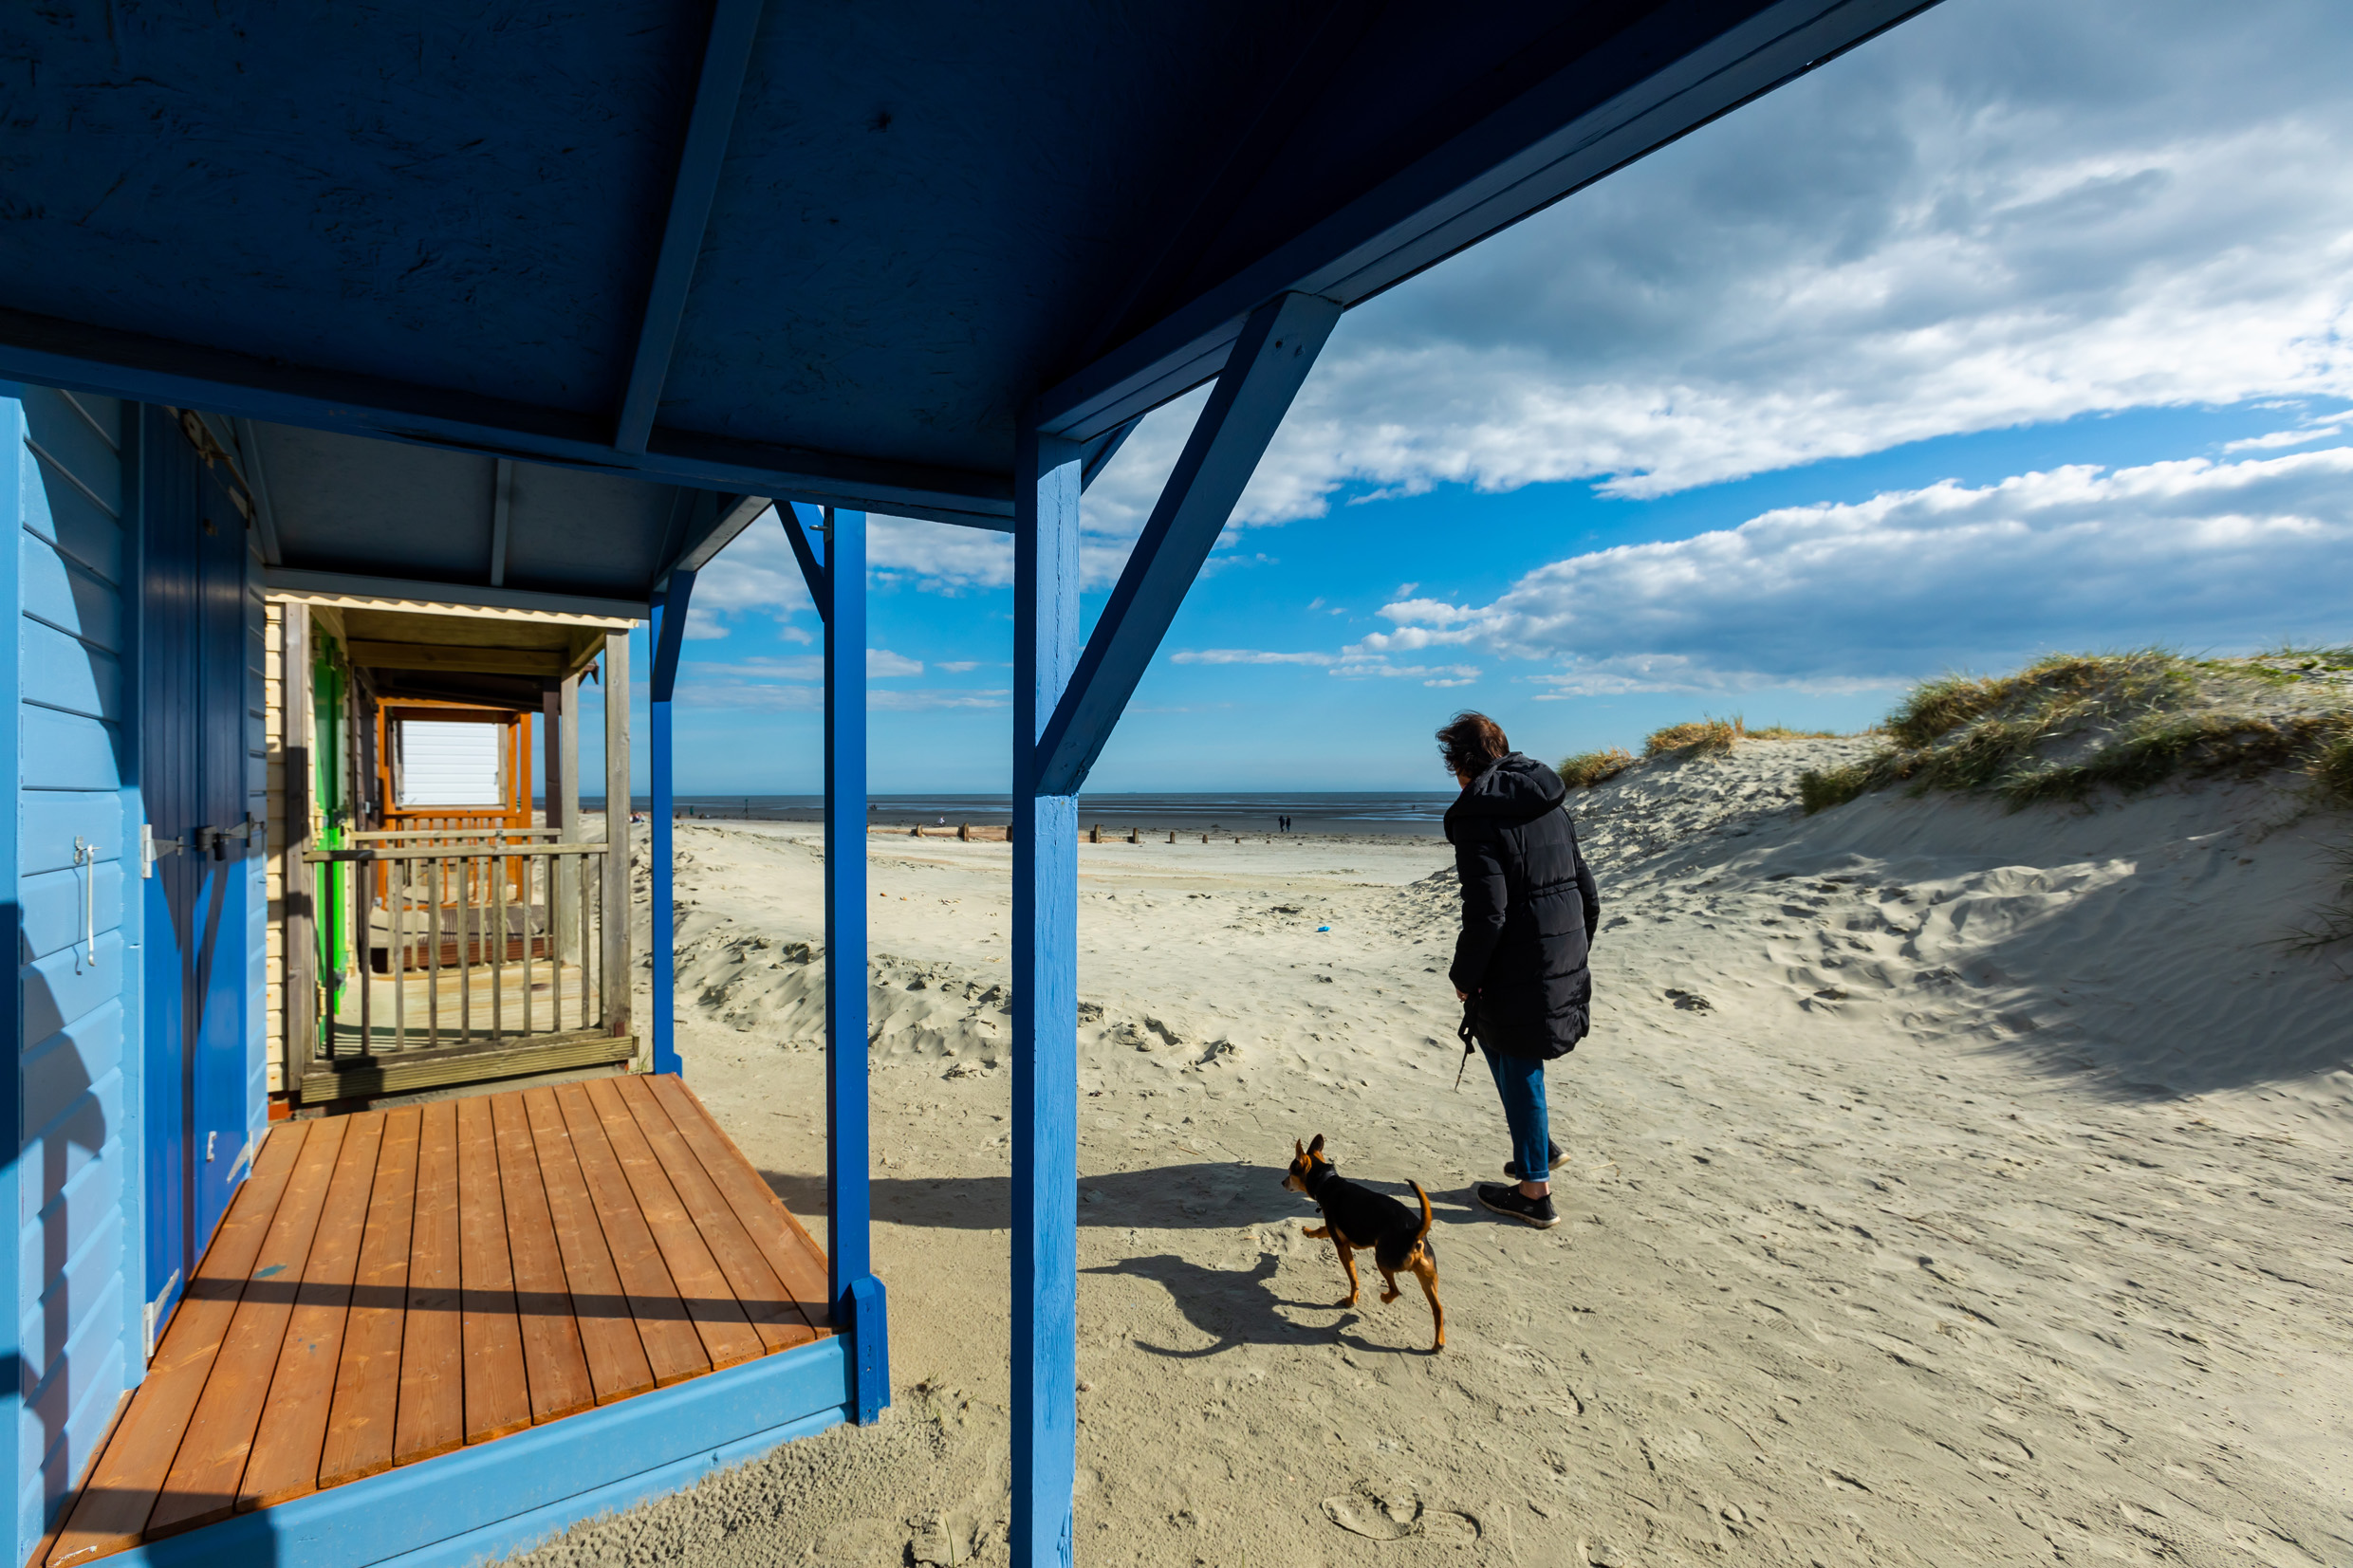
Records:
x=74, y=1270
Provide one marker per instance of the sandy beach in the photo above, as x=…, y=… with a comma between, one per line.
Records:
x=1944, y=1184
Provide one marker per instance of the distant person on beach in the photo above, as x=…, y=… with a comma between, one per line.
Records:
x=1528, y=914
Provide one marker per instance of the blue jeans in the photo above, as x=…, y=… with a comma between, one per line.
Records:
x=1520, y=1081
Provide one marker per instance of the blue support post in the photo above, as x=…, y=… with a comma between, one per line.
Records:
x=1045, y=1010
x=669, y=632
x=858, y=1300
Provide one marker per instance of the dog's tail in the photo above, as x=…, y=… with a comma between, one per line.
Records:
x=1423, y=1233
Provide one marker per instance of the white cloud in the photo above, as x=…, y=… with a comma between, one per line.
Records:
x=958, y=667
x=2002, y=213
x=881, y=664
x=1349, y=663
x=1854, y=597
x=898, y=701
x=1247, y=655
x=755, y=574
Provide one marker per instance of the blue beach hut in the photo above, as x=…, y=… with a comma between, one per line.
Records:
x=509, y=310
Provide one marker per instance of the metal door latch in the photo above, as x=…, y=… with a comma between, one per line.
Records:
x=152, y=849
x=210, y=840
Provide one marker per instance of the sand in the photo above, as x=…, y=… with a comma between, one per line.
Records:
x=1943, y=1186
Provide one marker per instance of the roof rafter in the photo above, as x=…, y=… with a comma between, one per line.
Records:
x=727, y=55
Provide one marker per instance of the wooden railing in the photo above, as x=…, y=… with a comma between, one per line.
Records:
x=469, y=938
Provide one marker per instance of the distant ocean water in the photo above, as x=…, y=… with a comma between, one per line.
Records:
x=1324, y=811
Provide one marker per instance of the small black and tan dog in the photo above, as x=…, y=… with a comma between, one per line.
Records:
x=1359, y=1218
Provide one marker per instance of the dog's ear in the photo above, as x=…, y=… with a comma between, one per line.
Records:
x=1316, y=1147
x=1301, y=1148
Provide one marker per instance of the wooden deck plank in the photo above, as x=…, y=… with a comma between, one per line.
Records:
x=726, y=1330
x=368, y=1375
x=795, y=1256
x=433, y=1389
x=284, y=1461
x=203, y=1483
x=498, y=1394
x=673, y=1346
x=766, y=1302
x=608, y=1334
x=112, y=1512
x=554, y=1363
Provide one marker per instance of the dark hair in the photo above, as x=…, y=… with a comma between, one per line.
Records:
x=1470, y=741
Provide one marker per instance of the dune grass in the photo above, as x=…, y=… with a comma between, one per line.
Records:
x=2073, y=724
x=1704, y=737
x=1587, y=768
x=1708, y=737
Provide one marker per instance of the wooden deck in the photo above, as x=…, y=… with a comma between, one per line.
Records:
x=395, y=1285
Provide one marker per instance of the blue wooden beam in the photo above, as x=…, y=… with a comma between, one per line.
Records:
x=115, y=363
x=708, y=532
x=1045, y=1010
x=858, y=1300
x=670, y=609
x=800, y=521
x=726, y=53
x=668, y=632
x=1277, y=348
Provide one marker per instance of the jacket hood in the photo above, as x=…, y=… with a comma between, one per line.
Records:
x=1514, y=788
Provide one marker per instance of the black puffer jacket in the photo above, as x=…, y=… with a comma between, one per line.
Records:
x=1528, y=911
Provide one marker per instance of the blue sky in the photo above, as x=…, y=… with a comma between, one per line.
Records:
x=2022, y=327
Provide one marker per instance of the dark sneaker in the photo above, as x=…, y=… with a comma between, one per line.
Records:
x=1512, y=1167
x=1507, y=1202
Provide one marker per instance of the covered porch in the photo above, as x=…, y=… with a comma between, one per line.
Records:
x=421, y=1291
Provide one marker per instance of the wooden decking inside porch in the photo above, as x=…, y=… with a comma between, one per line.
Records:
x=398, y=1285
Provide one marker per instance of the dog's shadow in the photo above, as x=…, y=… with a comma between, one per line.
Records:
x=1237, y=1309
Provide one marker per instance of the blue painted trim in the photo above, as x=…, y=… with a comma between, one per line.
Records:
x=1277, y=349
x=856, y=1295
x=800, y=521
x=726, y=53
x=500, y=1497
x=1045, y=1010
x=153, y=370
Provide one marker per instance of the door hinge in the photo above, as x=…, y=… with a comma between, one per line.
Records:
x=211, y=1146
x=152, y=849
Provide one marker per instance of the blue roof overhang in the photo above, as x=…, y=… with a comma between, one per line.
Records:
x=830, y=253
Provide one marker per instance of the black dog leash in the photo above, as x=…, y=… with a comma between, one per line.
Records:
x=1469, y=1039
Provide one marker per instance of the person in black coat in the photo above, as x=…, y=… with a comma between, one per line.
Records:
x=1529, y=911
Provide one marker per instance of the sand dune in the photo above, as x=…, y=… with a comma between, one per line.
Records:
x=1945, y=1186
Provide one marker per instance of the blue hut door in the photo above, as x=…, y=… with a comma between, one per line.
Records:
x=193, y=788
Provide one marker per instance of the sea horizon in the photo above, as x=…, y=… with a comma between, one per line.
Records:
x=1419, y=813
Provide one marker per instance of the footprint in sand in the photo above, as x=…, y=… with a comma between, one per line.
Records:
x=1395, y=1512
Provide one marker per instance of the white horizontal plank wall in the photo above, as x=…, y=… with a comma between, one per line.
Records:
x=444, y=764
